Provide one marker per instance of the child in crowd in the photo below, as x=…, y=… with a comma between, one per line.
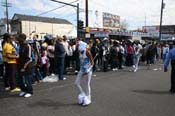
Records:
x=45, y=63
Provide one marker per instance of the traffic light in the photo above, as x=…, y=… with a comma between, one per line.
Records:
x=80, y=24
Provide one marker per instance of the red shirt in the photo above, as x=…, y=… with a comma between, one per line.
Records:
x=130, y=50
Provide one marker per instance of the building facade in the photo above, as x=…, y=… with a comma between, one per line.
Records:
x=3, y=26
x=42, y=25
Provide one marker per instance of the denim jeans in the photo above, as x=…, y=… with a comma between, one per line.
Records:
x=37, y=74
x=25, y=81
x=60, y=67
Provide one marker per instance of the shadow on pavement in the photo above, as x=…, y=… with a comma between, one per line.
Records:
x=8, y=95
x=50, y=103
x=151, y=92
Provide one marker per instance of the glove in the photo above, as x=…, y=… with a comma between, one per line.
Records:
x=89, y=69
x=165, y=69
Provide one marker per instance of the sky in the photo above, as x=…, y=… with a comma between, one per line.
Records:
x=136, y=13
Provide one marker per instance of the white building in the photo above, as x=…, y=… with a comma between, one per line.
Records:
x=27, y=24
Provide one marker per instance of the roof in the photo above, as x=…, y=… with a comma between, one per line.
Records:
x=22, y=17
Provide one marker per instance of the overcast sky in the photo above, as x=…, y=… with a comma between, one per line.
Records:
x=134, y=12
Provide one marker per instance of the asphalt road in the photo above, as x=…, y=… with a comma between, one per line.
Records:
x=119, y=93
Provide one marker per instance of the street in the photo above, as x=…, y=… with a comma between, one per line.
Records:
x=119, y=93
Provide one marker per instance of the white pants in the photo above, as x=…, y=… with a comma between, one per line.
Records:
x=87, y=80
x=136, y=62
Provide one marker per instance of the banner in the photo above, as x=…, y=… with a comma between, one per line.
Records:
x=111, y=21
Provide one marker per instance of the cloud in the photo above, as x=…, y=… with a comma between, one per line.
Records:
x=135, y=12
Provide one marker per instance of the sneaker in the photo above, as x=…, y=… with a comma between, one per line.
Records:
x=76, y=71
x=81, y=98
x=86, y=101
x=27, y=95
x=21, y=94
x=64, y=78
x=16, y=90
x=116, y=69
x=7, y=88
x=52, y=74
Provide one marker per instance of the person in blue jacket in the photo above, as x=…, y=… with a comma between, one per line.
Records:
x=171, y=57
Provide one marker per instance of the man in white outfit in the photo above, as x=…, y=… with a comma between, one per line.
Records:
x=137, y=55
x=86, y=64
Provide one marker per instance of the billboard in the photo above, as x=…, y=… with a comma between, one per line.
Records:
x=151, y=29
x=111, y=21
x=166, y=29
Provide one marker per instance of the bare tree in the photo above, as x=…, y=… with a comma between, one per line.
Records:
x=124, y=25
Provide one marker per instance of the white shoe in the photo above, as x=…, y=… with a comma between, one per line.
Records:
x=81, y=98
x=133, y=66
x=76, y=71
x=7, y=88
x=27, y=95
x=116, y=69
x=135, y=70
x=52, y=74
x=86, y=101
x=64, y=78
x=21, y=94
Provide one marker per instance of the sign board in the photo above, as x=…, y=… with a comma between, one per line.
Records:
x=111, y=21
x=101, y=34
x=151, y=29
x=87, y=35
x=168, y=29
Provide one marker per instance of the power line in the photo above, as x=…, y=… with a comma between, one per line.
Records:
x=55, y=8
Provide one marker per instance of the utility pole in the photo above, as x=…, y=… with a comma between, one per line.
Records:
x=6, y=5
x=7, y=17
x=86, y=13
x=161, y=15
x=145, y=20
x=78, y=35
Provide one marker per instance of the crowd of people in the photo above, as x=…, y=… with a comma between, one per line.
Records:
x=26, y=61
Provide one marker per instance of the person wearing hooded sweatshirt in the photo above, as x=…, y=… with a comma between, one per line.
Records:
x=25, y=67
x=86, y=65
